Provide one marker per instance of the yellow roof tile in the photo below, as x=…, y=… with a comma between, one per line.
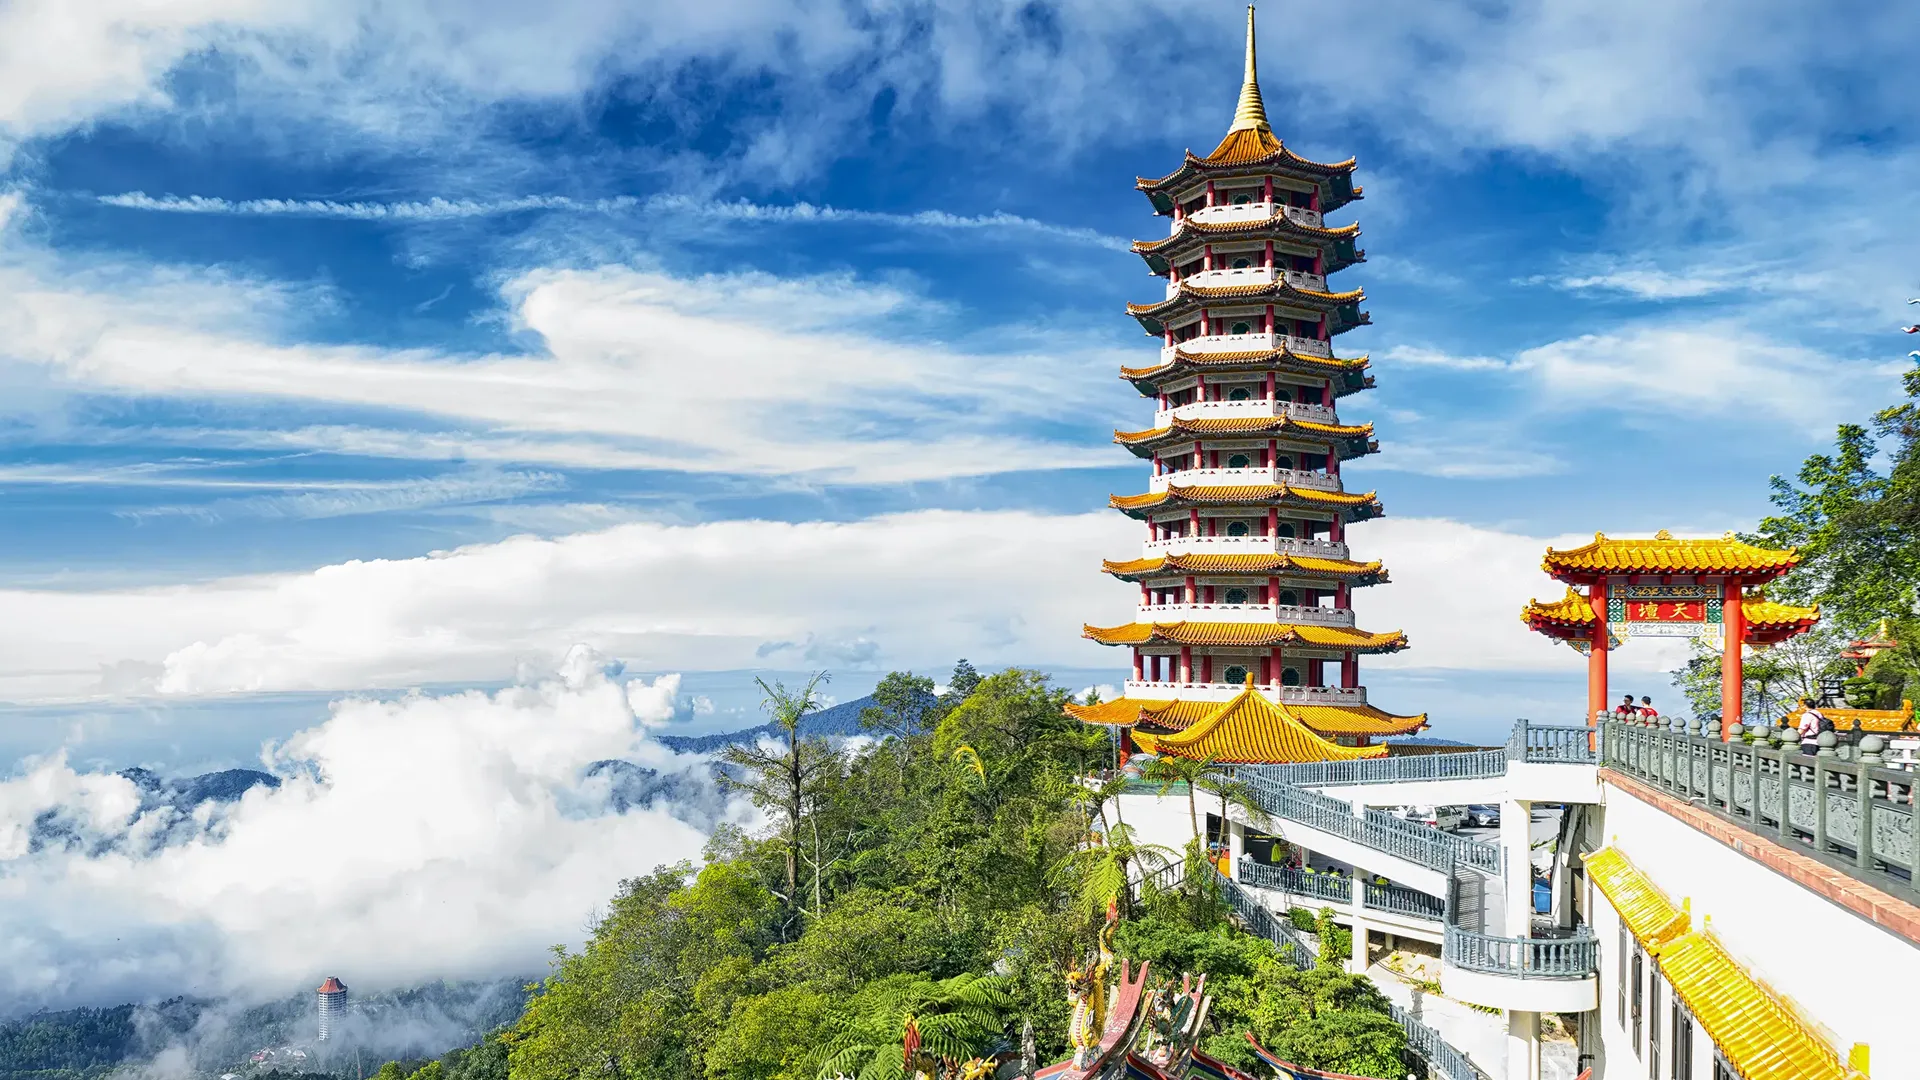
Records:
x=1242, y=564
x=1761, y=1035
x=1191, y=229
x=1177, y=715
x=1245, y=425
x=1189, y=294
x=1570, y=610
x=1664, y=555
x=1232, y=494
x=1884, y=720
x=1642, y=906
x=1252, y=729
x=1246, y=634
x=1248, y=358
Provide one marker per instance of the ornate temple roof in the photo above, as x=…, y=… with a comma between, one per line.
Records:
x=1665, y=555
x=1348, y=370
x=1251, y=729
x=1642, y=906
x=1257, y=635
x=1767, y=622
x=1357, y=573
x=1195, y=295
x=1327, y=720
x=1178, y=430
x=1203, y=231
x=1356, y=506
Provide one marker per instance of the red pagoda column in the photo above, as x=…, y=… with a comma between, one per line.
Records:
x=1597, y=697
x=1733, y=626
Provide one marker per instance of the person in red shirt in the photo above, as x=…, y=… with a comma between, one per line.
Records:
x=1626, y=707
x=1646, y=707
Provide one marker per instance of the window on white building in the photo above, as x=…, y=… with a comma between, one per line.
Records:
x=1239, y=461
x=1236, y=596
x=1236, y=675
x=1653, y=1024
x=1680, y=1027
x=1240, y=328
x=1237, y=528
x=1290, y=677
x=1239, y=393
x=1637, y=996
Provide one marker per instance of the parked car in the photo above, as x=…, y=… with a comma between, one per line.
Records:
x=1440, y=817
x=1483, y=815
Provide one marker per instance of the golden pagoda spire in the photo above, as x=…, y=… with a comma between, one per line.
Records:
x=1251, y=115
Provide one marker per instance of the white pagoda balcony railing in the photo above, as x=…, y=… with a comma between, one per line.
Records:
x=1248, y=275
x=1246, y=545
x=1246, y=407
x=1317, y=481
x=1240, y=213
x=1257, y=342
x=1221, y=691
x=1245, y=613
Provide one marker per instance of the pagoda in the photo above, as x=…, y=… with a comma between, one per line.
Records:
x=1244, y=646
x=1667, y=587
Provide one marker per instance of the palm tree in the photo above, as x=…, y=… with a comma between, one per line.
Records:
x=909, y=1023
x=1098, y=872
x=1234, y=792
x=784, y=782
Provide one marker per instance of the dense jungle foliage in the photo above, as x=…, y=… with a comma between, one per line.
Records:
x=940, y=871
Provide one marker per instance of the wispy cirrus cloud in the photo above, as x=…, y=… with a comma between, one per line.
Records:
x=442, y=209
x=350, y=499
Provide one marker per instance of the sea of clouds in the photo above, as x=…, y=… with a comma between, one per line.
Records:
x=450, y=836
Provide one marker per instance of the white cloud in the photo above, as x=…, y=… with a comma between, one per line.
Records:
x=679, y=206
x=908, y=590
x=1707, y=369
x=632, y=368
x=429, y=837
x=351, y=500
x=1424, y=356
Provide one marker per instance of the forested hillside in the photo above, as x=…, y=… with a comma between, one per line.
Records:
x=942, y=873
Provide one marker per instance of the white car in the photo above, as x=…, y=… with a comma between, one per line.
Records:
x=1447, y=818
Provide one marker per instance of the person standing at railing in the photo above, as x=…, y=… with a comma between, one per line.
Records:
x=1812, y=723
x=1647, y=710
x=1626, y=708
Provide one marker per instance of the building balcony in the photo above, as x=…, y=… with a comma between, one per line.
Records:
x=1301, y=478
x=1246, y=613
x=1249, y=275
x=1256, y=342
x=1241, y=213
x=1247, y=545
x=1246, y=408
x=1223, y=691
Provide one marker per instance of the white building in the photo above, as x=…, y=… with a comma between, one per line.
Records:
x=333, y=1005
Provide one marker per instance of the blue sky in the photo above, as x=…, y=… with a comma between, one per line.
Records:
x=350, y=349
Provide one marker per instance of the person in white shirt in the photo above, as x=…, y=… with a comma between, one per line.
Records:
x=1812, y=722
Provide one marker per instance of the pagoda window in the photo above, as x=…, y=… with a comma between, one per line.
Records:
x=1300, y=199
x=1237, y=528
x=1239, y=461
x=1239, y=393
x=1235, y=675
x=1241, y=328
x=1285, y=529
x=1283, y=462
x=1236, y=596
x=1289, y=598
x=1241, y=198
x=1289, y=676
x=1241, y=262
x=1302, y=263
x=1282, y=395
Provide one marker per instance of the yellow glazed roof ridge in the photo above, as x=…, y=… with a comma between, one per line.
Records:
x=1661, y=553
x=1251, y=356
x=1238, y=425
x=1249, y=564
x=1641, y=904
x=1187, y=632
x=1183, y=713
x=1239, y=493
x=1763, y=612
x=1189, y=227
x=1571, y=608
x=1762, y=1036
x=1279, y=288
x=1251, y=728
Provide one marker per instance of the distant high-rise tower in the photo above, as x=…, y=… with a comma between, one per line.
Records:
x=333, y=1004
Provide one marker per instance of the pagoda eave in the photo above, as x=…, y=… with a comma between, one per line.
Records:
x=1346, y=373
x=1662, y=558
x=1359, y=506
x=1191, y=298
x=1247, y=635
x=1355, y=574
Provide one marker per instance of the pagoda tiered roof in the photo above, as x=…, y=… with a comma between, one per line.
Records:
x=1663, y=555
x=1767, y=622
x=1256, y=635
x=1191, y=297
x=1253, y=152
x=1348, y=373
x=1325, y=720
x=1192, y=235
x=1355, y=573
x=1352, y=440
x=1354, y=506
x=1249, y=728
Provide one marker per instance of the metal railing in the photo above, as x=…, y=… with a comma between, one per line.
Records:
x=1381, y=831
x=1822, y=797
x=1338, y=889
x=1466, y=765
x=1552, y=743
x=1575, y=957
x=1444, y=1061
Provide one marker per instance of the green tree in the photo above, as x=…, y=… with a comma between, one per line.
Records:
x=783, y=781
x=954, y=1019
x=1183, y=773
x=771, y=1036
x=962, y=683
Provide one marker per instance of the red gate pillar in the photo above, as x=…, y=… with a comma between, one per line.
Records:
x=1733, y=627
x=1597, y=696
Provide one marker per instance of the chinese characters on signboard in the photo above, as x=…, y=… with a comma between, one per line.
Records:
x=1664, y=611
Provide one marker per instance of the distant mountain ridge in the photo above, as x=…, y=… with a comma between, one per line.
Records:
x=837, y=721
